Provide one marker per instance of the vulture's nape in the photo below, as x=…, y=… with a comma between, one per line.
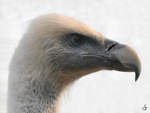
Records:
x=55, y=51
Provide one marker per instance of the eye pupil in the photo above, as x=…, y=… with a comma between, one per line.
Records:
x=76, y=39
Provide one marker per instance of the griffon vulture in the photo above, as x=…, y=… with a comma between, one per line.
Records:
x=55, y=51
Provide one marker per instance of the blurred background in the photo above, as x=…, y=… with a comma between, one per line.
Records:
x=126, y=21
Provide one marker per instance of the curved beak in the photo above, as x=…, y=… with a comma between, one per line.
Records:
x=122, y=58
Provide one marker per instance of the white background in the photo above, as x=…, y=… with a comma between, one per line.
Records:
x=127, y=21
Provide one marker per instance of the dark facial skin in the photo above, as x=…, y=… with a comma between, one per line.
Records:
x=83, y=52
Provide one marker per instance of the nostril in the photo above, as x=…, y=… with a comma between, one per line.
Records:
x=111, y=46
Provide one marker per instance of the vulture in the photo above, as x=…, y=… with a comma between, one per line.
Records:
x=55, y=51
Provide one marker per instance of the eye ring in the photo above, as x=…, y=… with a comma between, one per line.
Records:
x=77, y=40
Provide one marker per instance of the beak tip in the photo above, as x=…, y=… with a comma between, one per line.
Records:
x=137, y=74
x=132, y=61
x=136, y=79
x=138, y=70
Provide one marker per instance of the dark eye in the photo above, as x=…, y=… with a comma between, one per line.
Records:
x=77, y=40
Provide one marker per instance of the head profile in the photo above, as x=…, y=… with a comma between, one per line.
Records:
x=55, y=51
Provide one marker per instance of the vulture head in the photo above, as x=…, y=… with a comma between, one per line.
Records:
x=55, y=51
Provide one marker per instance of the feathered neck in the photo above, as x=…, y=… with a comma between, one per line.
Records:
x=35, y=92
